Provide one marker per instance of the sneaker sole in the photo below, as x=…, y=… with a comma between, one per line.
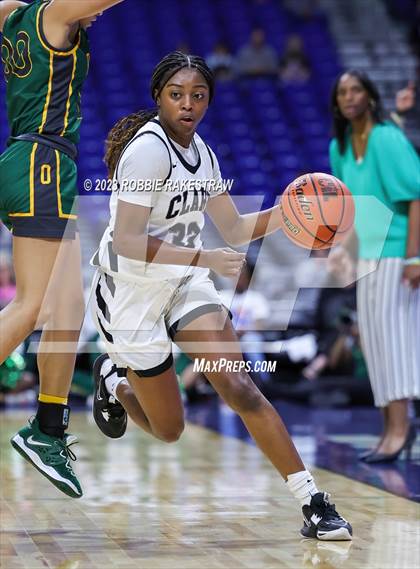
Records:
x=341, y=534
x=60, y=483
x=97, y=415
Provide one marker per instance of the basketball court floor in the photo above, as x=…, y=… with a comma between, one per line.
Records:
x=209, y=501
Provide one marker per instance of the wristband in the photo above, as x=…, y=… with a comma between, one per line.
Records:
x=411, y=261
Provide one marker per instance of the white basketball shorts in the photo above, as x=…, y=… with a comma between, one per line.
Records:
x=138, y=320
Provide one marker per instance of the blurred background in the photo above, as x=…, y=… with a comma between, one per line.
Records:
x=269, y=121
x=275, y=63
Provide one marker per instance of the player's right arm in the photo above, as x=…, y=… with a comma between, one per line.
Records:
x=131, y=240
x=72, y=11
x=62, y=19
x=147, y=159
x=6, y=8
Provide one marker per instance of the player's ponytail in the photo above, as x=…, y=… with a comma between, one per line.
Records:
x=121, y=134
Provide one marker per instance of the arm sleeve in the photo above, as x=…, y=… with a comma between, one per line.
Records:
x=335, y=160
x=398, y=165
x=142, y=171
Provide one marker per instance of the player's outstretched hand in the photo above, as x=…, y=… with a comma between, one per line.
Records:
x=225, y=262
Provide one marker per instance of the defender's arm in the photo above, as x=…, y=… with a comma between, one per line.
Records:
x=6, y=8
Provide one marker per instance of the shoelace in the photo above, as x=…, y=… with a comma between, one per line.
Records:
x=330, y=512
x=63, y=449
x=63, y=453
x=325, y=509
x=70, y=453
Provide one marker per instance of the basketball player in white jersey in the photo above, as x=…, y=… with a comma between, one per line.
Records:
x=153, y=286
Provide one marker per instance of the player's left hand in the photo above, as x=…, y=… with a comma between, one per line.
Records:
x=411, y=276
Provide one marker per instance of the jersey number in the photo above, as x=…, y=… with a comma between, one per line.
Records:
x=16, y=60
x=184, y=236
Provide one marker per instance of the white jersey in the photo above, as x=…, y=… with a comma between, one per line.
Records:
x=176, y=183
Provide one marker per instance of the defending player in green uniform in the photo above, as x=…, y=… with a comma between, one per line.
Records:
x=45, y=56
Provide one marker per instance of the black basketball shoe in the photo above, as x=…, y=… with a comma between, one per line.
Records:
x=109, y=414
x=321, y=521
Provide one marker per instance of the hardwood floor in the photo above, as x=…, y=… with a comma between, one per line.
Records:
x=205, y=502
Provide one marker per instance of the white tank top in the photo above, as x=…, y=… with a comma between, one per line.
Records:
x=176, y=183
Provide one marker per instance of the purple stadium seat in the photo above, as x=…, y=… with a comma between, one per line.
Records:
x=263, y=132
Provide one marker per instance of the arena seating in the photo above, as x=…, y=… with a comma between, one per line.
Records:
x=264, y=133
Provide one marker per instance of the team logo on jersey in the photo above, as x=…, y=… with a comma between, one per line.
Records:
x=16, y=59
x=187, y=202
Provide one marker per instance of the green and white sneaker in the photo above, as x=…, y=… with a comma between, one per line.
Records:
x=50, y=455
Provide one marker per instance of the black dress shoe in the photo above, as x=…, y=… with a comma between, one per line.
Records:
x=366, y=454
x=380, y=457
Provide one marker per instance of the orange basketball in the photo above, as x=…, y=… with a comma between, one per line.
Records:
x=317, y=211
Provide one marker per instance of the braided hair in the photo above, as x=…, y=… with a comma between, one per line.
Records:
x=340, y=123
x=125, y=129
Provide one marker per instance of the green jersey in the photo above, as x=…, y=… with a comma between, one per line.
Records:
x=43, y=83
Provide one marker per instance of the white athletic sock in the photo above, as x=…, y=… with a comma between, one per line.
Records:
x=302, y=486
x=113, y=381
x=106, y=367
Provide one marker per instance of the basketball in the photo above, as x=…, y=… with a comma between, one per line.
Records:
x=317, y=211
